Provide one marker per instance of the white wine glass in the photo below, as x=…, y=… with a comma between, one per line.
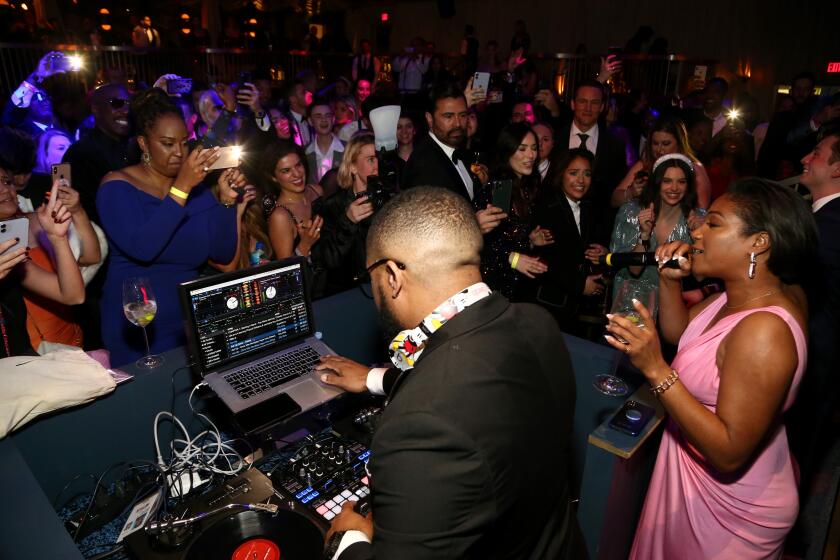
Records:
x=622, y=306
x=140, y=307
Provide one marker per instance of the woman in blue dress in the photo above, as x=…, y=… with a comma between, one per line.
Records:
x=161, y=223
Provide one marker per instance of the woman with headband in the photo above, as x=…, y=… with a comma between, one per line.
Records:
x=659, y=216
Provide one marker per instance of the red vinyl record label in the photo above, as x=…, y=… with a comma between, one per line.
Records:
x=256, y=549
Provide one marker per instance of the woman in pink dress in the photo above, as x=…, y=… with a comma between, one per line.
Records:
x=724, y=484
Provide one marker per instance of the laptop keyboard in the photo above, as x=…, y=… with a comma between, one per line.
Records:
x=266, y=375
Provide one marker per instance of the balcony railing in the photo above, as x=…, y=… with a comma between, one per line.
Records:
x=658, y=75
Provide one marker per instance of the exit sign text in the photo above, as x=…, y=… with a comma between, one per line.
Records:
x=833, y=67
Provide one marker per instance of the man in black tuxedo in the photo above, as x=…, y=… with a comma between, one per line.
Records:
x=439, y=158
x=811, y=417
x=470, y=457
x=585, y=132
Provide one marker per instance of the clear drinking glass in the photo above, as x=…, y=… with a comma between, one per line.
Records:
x=140, y=307
x=623, y=306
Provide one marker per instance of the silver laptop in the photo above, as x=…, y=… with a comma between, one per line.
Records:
x=250, y=335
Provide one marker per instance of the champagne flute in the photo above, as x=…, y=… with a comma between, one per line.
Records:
x=140, y=307
x=623, y=306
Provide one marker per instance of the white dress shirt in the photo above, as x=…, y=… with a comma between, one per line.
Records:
x=819, y=203
x=462, y=170
x=575, y=206
x=591, y=142
x=411, y=70
x=324, y=161
x=543, y=168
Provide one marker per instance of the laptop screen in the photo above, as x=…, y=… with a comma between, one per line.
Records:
x=235, y=319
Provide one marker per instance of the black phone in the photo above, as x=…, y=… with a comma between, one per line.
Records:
x=632, y=418
x=502, y=191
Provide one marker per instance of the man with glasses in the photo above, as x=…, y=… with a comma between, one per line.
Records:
x=480, y=412
x=326, y=151
x=584, y=132
x=104, y=148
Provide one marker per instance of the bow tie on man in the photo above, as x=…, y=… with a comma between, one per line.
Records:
x=460, y=154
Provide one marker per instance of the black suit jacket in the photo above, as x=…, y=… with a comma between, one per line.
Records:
x=429, y=166
x=561, y=288
x=819, y=392
x=610, y=163
x=471, y=456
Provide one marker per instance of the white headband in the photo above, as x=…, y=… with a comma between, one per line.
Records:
x=683, y=158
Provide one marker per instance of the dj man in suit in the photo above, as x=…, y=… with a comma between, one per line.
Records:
x=470, y=457
x=440, y=160
x=585, y=132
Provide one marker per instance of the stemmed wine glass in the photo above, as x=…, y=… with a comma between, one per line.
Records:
x=622, y=306
x=140, y=307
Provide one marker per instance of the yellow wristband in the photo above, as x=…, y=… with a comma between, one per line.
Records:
x=175, y=191
x=515, y=260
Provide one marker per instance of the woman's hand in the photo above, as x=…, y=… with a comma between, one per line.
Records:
x=489, y=218
x=516, y=59
x=249, y=195
x=541, y=237
x=595, y=252
x=593, y=286
x=230, y=180
x=636, y=187
x=195, y=168
x=359, y=209
x=642, y=342
x=474, y=96
x=674, y=249
x=480, y=170
x=310, y=233
x=70, y=198
x=54, y=216
x=529, y=266
x=10, y=260
x=646, y=220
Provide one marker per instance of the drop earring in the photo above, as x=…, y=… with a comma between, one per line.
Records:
x=147, y=158
x=751, y=269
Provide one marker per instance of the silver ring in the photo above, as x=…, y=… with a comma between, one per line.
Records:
x=206, y=169
x=317, y=229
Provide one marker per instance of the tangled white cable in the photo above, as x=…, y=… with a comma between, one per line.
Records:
x=214, y=456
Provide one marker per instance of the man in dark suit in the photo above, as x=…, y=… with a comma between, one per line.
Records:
x=470, y=457
x=439, y=159
x=585, y=132
x=811, y=417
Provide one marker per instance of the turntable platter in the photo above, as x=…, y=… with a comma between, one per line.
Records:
x=252, y=535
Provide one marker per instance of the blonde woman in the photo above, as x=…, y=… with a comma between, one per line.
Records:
x=347, y=215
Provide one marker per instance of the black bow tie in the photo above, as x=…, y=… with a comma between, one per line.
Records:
x=461, y=154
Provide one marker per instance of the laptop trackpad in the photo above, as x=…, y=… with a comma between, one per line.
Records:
x=267, y=413
x=310, y=393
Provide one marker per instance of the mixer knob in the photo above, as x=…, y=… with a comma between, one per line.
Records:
x=311, y=466
x=319, y=472
x=341, y=450
x=306, y=462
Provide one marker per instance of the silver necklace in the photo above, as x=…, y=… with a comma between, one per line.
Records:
x=770, y=293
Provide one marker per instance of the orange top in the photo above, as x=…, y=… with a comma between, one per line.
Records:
x=46, y=319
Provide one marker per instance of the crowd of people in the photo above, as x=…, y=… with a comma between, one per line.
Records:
x=553, y=189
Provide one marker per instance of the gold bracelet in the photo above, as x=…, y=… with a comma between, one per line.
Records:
x=175, y=191
x=514, y=261
x=666, y=384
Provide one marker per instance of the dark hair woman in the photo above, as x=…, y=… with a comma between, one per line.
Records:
x=563, y=210
x=659, y=216
x=504, y=263
x=724, y=469
x=162, y=223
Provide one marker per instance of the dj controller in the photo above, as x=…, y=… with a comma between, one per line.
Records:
x=280, y=508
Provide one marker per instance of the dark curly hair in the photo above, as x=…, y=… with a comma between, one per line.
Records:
x=150, y=105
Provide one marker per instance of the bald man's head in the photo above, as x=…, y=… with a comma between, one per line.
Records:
x=433, y=230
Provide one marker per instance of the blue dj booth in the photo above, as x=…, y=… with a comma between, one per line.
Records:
x=612, y=469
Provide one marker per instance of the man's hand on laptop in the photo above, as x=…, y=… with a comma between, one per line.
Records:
x=341, y=372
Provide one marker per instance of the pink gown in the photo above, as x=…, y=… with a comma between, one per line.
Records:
x=692, y=512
